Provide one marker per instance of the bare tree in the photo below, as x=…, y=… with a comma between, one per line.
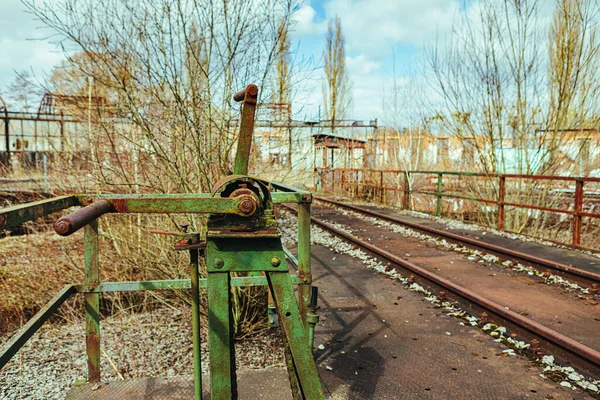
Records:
x=574, y=81
x=336, y=88
x=492, y=83
x=282, y=89
x=22, y=94
x=169, y=69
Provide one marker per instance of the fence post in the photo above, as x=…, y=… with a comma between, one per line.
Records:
x=92, y=302
x=438, y=208
x=501, y=197
x=406, y=202
x=381, y=187
x=576, y=212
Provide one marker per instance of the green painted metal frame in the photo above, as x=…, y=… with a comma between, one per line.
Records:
x=92, y=301
x=302, y=368
x=13, y=216
x=26, y=332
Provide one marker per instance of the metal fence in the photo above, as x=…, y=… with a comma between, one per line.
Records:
x=558, y=208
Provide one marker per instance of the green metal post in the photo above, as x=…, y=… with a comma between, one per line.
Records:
x=438, y=209
x=304, y=271
x=295, y=333
x=195, y=287
x=92, y=302
x=406, y=200
x=220, y=338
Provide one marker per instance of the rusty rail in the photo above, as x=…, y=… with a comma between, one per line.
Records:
x=571, y=347
x=343, y=179
x=579, y=274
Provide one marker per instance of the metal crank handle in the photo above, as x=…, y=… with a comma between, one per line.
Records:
x=78, y=219
x=251, y=90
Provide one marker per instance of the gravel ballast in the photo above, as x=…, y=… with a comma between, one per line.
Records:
x=156, y=343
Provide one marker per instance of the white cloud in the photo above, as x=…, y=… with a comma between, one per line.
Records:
x=360, y=65
x=373, y=27
x=304, y=23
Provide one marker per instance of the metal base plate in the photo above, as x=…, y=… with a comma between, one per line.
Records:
x=252, y=384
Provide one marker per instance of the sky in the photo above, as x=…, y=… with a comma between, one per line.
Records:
x=379, y=34
x=375, y=30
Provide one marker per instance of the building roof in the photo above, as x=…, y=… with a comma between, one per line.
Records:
x=335, y=141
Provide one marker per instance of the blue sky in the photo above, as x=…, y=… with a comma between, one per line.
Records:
x=373, y=29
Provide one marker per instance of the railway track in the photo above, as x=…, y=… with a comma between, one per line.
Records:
x=569, y=272
x=568, y=350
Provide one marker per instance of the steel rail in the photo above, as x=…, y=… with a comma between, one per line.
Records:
x=563, y=268
x=574, y=348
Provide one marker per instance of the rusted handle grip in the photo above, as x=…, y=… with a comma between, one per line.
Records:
x=76, y=220
x=252, y=90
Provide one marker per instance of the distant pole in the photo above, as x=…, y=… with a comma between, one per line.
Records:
x=90, y=84
x=47, y=186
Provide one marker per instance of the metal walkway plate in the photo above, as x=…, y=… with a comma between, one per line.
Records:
x=252, y=384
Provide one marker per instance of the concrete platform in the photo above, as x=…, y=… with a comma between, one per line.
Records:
x=252, y=384
x=382, y=341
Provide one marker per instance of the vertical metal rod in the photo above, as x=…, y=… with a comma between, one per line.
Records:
x=324, y=177
x=304, y=270
x=92, y=302
x=196, y=324
x=7, y=136
x=501, y=199
x=381, y=187
x=438, y=208
x=576, y=212
x=223, y=383
x=405, y=203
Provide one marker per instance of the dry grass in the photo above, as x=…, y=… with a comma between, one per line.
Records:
x=34, y=267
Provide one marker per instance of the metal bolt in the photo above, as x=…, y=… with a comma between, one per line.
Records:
x=275, y=261
x=246, y=207
x=219, y=263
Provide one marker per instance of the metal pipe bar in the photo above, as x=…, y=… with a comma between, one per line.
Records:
x=213, y=205
x=292, y=195
x=291, y=257
x=13, y=216
x=540, y=208
x=171, y=284
x=480, y=174
x=78, y=219
x=31, y=327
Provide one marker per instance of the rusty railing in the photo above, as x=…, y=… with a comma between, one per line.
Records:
x=500, y=192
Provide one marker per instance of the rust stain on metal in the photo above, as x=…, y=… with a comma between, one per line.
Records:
x=120, y=205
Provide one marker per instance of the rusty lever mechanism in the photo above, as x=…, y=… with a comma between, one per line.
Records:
x=80, y=218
